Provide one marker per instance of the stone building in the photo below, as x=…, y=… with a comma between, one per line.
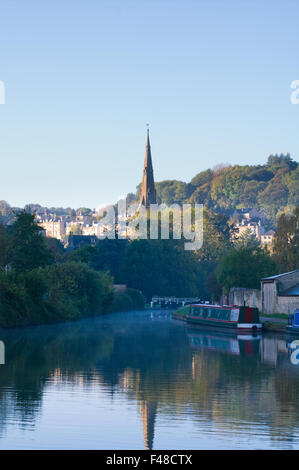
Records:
x=255, y=228
x=280, y=294
x=249, y=214
x=267, y=238
x=244, y=296
x=54, y=228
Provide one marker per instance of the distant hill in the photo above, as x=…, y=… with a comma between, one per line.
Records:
x=273, y=186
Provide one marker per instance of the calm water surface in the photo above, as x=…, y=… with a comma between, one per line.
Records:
x=142, y=380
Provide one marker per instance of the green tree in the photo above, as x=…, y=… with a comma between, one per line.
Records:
x=216, y=240
x=76, y=229
x=108, y=255
x=286, y=241
x=247, y=239
x=172, y=191
x=56, y=248
x=279, y=161
x=274, y=196
x=293, y=186
x=5, y=247
x=75, y=289
x=245, y=266
x=160, y=267
x=202, y=178
x=250, y=191
x=29, y=250
x=202, y=195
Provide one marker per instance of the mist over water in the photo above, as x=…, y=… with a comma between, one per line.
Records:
x=142, y=380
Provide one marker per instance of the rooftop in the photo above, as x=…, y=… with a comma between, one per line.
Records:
x=291, y=291
x=279, y=275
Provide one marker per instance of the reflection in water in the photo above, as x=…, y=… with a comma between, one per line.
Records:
x=140, y=379
x=223, y=342
x=148, y=411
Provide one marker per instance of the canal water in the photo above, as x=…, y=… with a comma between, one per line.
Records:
x=142, y=380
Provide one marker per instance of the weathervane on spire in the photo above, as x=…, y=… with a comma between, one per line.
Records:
x=147, y=128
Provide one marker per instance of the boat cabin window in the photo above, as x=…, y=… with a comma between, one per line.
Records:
x=204, y=312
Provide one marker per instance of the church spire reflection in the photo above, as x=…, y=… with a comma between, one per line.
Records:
x=148, y=410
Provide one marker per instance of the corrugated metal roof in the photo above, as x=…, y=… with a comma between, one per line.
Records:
x=279, y=275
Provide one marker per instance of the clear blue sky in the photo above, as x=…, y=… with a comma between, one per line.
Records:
x=84, y=77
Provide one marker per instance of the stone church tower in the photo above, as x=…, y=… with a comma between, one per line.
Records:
x=148, y=192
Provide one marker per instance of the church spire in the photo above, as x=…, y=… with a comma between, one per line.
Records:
x=148, y=192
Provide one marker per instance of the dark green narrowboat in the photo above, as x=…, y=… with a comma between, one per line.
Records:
x=241, y=319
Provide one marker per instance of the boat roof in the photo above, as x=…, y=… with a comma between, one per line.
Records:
x=214, y=305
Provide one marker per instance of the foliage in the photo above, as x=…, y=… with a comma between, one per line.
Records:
x=292, y=183
x=121, y=302
x=29, y=250
x=56, y=249
x=77, y=290
x=247, y=239
x=286, y=241
x=202, y=178
x=271, y=186
x=76, y=229
x=5, y=247
x=136, y=297
x=160, y=267
x=44, y=285
x=245, y=266
x=172, y=191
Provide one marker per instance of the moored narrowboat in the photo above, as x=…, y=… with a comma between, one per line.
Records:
x=241, y=319
x=293, y=326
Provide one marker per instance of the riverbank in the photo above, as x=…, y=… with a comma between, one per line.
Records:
x=180, y=313
x=273, y=323
x=60, y=293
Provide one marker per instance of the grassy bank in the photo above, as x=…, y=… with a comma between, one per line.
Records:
x=181, y=313
x=274, y=322
x=272, y=326
x=281, y=316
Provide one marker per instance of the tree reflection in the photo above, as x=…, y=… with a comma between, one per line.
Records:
x=165, y=366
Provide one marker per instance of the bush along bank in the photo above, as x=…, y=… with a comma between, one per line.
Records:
x=39, y=286
x=62, y=292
